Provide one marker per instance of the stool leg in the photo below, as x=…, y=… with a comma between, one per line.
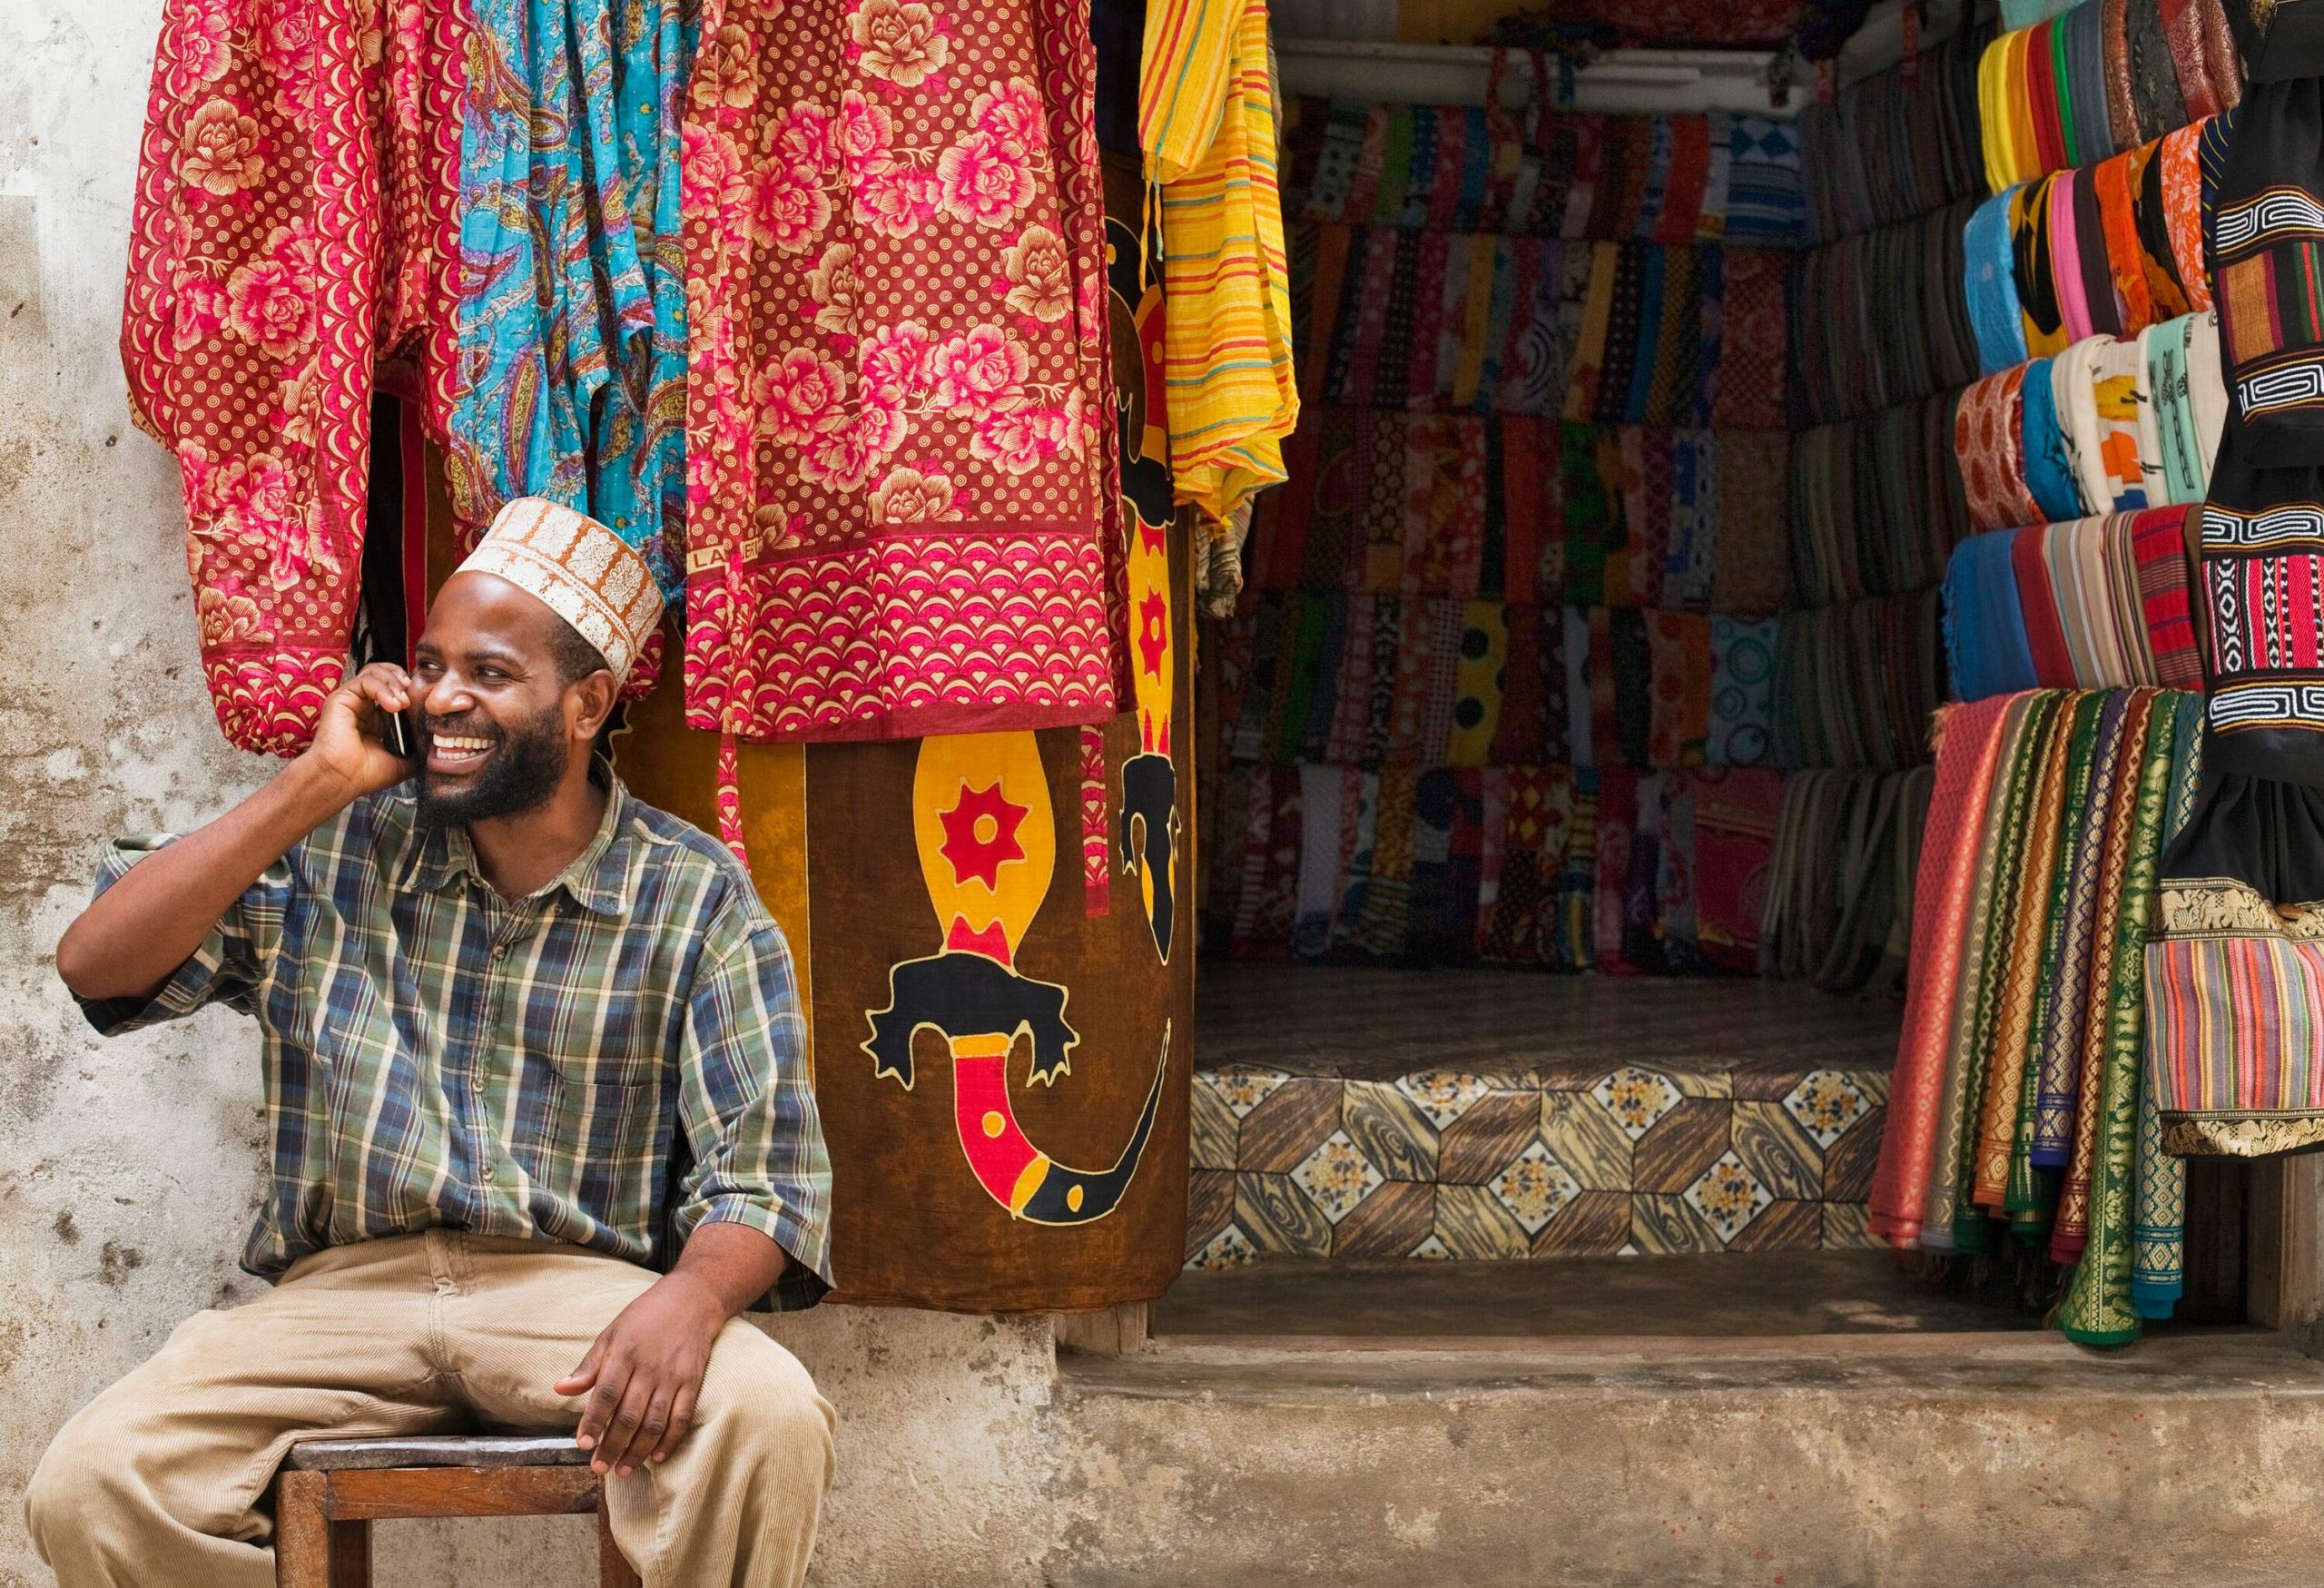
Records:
x=351, y=1555
x=311, y=1550
x=614, y=1570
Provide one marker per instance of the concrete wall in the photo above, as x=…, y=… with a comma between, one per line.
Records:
x=128, y=1168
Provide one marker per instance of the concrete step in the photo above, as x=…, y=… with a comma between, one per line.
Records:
x=1820, y=1462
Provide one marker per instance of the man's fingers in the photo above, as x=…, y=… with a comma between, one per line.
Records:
x=681, y=1419
x=385, y=685
x=585, y=1372
x=613, y=1378
x=651, y=1431
x=621, y=1432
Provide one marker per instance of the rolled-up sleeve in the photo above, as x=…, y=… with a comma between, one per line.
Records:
x=230, y=966
x=747, y=1103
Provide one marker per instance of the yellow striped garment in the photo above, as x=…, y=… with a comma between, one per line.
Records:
x=1206, y=123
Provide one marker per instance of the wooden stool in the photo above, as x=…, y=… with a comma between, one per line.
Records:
x=330, y=1491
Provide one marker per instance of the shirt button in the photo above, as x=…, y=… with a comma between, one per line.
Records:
x=501, y=951
x=478, y=1084
x=488, y=1171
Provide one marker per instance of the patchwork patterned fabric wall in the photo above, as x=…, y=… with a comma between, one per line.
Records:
x=1584, y=635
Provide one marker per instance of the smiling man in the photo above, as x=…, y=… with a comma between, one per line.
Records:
x=539, y=1119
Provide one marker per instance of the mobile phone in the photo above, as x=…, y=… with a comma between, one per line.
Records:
x=403, y=735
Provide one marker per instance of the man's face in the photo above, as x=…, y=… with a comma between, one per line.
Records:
x=495, y=729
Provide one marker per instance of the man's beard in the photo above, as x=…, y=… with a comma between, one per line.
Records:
x=521, y=773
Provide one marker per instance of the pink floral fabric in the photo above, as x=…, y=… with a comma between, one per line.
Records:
x=902, y=498
x=293, y=197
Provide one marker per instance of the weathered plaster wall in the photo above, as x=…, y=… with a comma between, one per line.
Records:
x=128, y=1168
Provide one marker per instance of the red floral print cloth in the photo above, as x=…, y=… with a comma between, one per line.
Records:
x=903, y=514
x=291, y=226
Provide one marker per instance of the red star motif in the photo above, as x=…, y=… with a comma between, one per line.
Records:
x=1153, y=632
x=976, y=855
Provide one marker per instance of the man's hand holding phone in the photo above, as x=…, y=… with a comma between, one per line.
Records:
x=365, y=734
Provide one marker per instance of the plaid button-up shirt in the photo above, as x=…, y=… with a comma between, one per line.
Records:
x=613, y=1060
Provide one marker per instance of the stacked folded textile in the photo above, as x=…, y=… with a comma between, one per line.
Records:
x=1366, y=680
x=2092, y=603
x=1840, y=885
x=1581, y=177
x=1855, y=683
x=1526, y=511
x=2102, y=77
x=1885, y=150
x=1553, y=867
x=1876, y=504
x=1632, y=332
x=2106, y=426
x=2019, y=1105
x=2112, y=248
x=1887, y=325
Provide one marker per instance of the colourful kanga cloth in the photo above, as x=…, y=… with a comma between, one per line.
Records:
x=903, y=510
x=648, y=1007
x=292, y=226
x=1968, y=745
x=572, y=316
x=1206, y=123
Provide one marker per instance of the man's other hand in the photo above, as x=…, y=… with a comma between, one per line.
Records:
x=643, y=1374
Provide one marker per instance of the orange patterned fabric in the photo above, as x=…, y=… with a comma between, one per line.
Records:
x=293, y=206
x=1968, y=750
x=902, y=500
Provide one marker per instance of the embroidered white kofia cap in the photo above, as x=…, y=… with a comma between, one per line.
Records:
x=583, y=571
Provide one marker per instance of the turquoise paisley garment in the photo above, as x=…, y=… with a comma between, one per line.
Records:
x=572, y=314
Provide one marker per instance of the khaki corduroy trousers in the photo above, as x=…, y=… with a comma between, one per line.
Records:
x=162, y=1478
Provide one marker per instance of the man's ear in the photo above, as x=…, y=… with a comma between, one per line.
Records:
x=592, y=700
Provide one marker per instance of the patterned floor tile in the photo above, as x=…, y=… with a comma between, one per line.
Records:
x=1849, y=1162
x=1728, y=1196
x=1533, y=1186
x=1210, y=1205
x=1337, y=1175
x=1432, y=1249
x=1212, y=1128
x=1782, y=1225
x=1389, y=1223
x=1766, y=1080
x=1475, y=1146
x=1684, y=1142
x=1229, y=1249
x=1443, y=1095
x=1826, y=1102
x=1662, y=1225
x=1785, y=1157
x=1637, y=1100
x=1585, y=1139
x=1276, y=1217
x=1291, y=1123
x=1243, y=1090
x=1594, y=1224
x=1474, y=1225
x=1701, y=1078
x=1392, y=1129
x=1847, y=1227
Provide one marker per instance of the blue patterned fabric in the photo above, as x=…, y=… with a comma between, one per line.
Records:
x=1992, y=286
x=1985, y=622
x=1766, y=203
x=572, y=313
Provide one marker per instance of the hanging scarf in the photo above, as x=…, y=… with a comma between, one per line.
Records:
x=2159, y=540
x=2113, y=183
x=1968, y=748
x=2159, y=1207
x=2035, y=267
x=2097, y=1308
x=1988, y=440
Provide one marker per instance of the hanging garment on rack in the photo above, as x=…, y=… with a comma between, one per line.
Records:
x=572, y=322
x=1207, y=121
x=903, y=499
x=291, y=230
